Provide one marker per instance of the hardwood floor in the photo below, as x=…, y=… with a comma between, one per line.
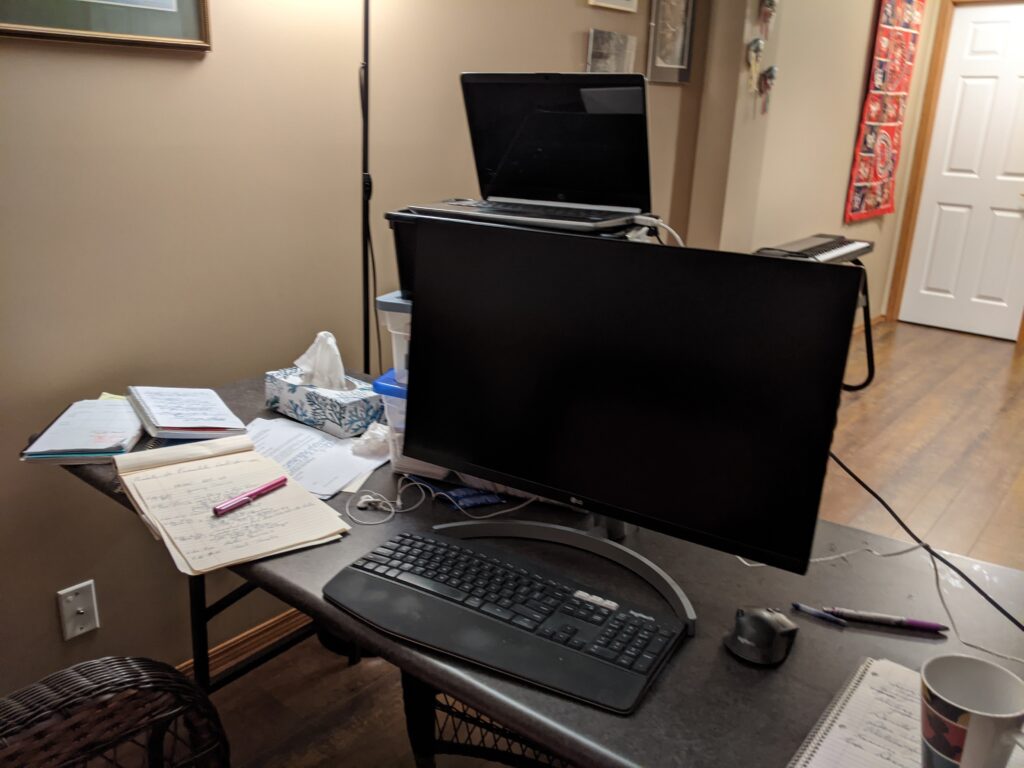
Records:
x=940, y=434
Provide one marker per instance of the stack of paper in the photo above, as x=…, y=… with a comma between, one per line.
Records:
x=323, y=464
x=88, y=432
x=174, y=490
x=184, y=414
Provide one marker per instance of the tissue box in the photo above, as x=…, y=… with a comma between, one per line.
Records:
x=340, y=413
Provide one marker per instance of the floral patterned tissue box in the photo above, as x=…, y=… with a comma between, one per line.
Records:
x=342, y=413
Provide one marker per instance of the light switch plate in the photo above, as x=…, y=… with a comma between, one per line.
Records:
x=78, y=611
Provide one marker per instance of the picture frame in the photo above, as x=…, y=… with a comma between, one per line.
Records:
x=183, y=24
x=630, y=6
x=668, y=50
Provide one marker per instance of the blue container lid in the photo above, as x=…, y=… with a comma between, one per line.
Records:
x=386, y=385
x=393, y=302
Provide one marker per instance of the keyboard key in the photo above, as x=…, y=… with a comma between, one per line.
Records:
x=497, y=610
x=576, y=643
x=602, y=653
x=529, y=613
x=360, y=563
x=618, y=645
x=547, y=632
x=525, y=623
x=624, y=661
x=444, y=590
x=644, y=663
x=473, y=602
x=569, y=629
x=377, y=558
x=392, y=573
x=561, y=637
x=657, y=644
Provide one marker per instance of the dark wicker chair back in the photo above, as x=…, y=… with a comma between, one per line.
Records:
x=114, y=711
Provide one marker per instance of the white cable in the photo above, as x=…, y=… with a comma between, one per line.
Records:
x=378, y=501
x=650, y=221
x=952, y=623
x=840, y=556
x=938, y=588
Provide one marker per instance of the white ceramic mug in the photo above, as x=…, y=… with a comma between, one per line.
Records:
x=972, y=711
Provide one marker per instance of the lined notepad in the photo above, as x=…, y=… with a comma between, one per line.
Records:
x=184, y=413
x=174, y=490
x=874, y=722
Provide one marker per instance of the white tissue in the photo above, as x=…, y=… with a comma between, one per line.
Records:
x=373, y=443
x=321, y=364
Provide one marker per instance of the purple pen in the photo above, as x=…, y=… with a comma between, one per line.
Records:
x=248, y=497
x=885, y=619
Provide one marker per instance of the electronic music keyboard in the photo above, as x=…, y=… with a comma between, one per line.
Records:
x=822, y=248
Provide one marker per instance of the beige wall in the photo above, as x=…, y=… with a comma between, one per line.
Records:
x=179, y=219
x=789, y=169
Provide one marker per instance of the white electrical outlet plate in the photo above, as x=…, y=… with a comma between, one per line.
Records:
x=78, y=611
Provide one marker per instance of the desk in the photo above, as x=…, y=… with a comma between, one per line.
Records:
x=705, y=708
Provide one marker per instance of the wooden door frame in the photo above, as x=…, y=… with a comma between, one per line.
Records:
x=919, y=163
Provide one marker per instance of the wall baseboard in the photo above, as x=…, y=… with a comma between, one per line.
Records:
x=235, y=649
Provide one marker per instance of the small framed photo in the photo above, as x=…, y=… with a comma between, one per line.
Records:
x=629, y=6
x=668, y=56
x=611, y=52
x=159, y=23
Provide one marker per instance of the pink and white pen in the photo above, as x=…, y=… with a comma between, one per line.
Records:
x=885, y=619
x=248, y=497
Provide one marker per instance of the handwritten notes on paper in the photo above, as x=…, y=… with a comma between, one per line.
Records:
x=874, y=723
x=321, y=463
x=175, y=489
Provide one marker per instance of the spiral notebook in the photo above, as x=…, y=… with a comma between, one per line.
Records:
x=875, y=720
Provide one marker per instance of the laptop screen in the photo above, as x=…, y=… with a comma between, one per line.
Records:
x=573, y=138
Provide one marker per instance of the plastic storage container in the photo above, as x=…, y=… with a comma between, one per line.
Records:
x=394, y=396
x=396, y=313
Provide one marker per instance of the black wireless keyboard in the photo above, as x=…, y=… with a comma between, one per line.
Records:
x=479, y=605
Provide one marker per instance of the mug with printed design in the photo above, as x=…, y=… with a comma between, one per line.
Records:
x=972, y=711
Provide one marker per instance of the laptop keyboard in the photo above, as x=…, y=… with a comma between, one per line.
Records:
x=540, y=211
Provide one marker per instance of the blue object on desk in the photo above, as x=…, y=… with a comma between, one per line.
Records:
x=389, y=386
x=819, y=614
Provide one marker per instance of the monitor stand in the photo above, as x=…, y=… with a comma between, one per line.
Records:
x=560, y=534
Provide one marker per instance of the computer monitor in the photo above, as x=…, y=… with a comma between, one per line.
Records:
x=689, y=391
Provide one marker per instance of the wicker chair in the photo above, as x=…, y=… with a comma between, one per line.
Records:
x=113, y=711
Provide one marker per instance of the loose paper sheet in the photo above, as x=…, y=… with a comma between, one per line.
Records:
x=321, y=463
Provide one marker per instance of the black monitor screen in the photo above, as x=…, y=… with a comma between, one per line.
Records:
x=693, y=392
x=574, y=138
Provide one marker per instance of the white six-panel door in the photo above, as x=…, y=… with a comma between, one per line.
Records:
x=966, y=269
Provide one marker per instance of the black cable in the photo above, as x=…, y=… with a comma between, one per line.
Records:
x=376, y=317
x=924, y=545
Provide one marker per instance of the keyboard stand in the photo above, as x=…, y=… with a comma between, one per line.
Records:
x=560, y=534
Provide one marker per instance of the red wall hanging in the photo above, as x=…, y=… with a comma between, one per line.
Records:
x=879, y=140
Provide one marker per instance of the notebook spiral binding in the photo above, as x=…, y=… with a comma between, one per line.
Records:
x=821, y=729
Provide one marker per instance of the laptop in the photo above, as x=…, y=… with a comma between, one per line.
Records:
x=561, y=151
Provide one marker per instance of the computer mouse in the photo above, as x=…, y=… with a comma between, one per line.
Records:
x=762, y=636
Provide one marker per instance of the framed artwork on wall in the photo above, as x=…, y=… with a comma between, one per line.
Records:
x=668, y=51
x=618, y=5
x=160, y=23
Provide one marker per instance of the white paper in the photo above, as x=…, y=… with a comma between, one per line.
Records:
x=177, y=408
x=877, y=724
x=179, y=500
x=321, y=463
x=91, y=425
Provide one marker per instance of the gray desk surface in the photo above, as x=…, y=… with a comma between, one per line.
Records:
x=706, y=708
